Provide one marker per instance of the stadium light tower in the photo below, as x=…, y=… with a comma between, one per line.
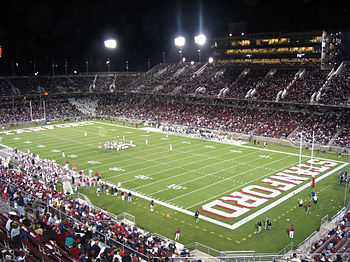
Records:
x=180, y=42
x=200, y=40
x=110, y=43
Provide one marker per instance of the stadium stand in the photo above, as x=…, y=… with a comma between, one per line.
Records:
x=46, y=225
x=264, y=101
x=338, y=90
x=251, y=119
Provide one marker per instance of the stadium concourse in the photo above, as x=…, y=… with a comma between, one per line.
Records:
x=279, y=101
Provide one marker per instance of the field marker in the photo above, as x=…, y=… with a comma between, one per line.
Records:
x=235, y=151
x=56, y=151
x=116, y=169
x=93, y=162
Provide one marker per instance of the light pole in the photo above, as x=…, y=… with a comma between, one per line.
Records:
x=148, y=64
x=65, y=66
x=110, y=44
x=199, y=55
x=87, y=66
x=200, y=40
x=163, y=57
x=53, y=68
x=180, y=42
x=108, y=63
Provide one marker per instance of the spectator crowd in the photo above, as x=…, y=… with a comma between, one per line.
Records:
x=47, y=224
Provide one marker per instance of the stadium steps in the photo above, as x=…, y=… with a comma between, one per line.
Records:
x=200, y=70
x=317, y=95
x=282, y=94
x=339, y=131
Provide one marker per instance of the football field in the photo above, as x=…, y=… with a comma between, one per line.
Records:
x=232, y=185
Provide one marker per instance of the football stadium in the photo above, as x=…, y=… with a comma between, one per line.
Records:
x=232, y=145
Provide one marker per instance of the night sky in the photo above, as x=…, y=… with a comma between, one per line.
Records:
x=46, y=32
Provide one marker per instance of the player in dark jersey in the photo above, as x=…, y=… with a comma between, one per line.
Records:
x=196, y=216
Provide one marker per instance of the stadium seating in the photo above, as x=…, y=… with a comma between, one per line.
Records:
x=338, y=90
x=284, y=83
x=57, y=228
x=310, y=81
x=330, y=129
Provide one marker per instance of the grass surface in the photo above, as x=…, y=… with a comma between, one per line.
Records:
x=194, y=173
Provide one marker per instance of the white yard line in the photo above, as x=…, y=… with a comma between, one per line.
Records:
x=109, y=124
x=7, y=147
x=218, y=182
x=244, y=220
x=273, y=171
x=198, y=138
x=210, y=174
x=288, y=153
x=189, y=171
x=253, y=215
x=246, y=146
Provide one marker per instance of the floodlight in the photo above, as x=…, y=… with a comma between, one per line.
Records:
x=179, y=41
x=192, y=62
x=210, y=60
x=184, y=59
x=110, y=43
x=200, y=39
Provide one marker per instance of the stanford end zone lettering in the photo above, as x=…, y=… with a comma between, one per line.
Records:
x=251, y=197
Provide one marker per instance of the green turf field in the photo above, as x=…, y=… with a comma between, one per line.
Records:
x=193, y=173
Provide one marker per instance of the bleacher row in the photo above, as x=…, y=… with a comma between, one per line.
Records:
x=336, y=241
x=286, y=83
x=65, y=84
x=58, y=228
x=331, y=128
